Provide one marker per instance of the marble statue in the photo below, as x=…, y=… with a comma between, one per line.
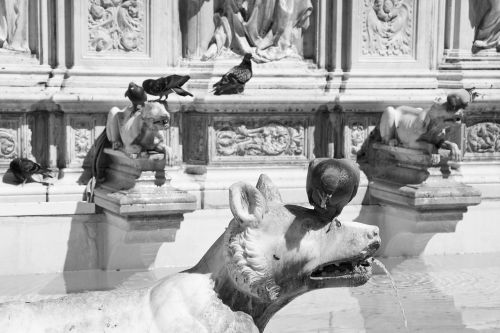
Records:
x=268, y=29
x=138, y=132
x=425, y=129
x=268, y=255
x=485, y=17
x=14, y=25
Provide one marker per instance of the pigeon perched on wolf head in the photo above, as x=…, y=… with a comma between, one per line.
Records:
x=166, y=85
x=233, y=82
x=24, y=170
x=136, y=95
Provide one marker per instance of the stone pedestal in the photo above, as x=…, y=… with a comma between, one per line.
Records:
x=142, y=210
x=418, y=195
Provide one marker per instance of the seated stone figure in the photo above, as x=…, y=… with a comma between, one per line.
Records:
x=138, y=132
x=424, y=129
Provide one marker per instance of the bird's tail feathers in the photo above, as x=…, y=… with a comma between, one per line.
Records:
x=182, y=92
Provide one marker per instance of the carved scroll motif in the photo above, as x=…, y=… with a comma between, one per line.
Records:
x=272, y=139
x=116, y=25
x=387, y=27
x=483, y=138
x=7, y=145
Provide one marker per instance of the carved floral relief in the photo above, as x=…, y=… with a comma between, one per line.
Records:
x=116, y=25
x=483, y=138
x=7, y=144
x=387, y=27
x=271, y=139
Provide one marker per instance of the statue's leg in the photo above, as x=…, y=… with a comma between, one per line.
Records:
x=388, y=125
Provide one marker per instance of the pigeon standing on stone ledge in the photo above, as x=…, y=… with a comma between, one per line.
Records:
x=26, y=170
x=136, y=95
x=233, y=82
x=166, y=85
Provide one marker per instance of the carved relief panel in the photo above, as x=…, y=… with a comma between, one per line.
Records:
x=15, y=138
x=483, y=141
x=116, y=26
x=262, y=139
x=356, y=130
x=388, y=27
x=81, y=134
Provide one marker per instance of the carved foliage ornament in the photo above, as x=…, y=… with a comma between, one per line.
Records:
x=387, y=27
x=483, y=138
x=116, y=25
x=7, y=145
x=272, y=139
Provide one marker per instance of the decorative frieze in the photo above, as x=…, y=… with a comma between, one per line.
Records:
x=8, y=143
x=235, y=138
x=387, y=27
x=116, y=25
x=483, y=138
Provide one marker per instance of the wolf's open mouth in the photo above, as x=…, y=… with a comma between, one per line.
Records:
x=342, y=269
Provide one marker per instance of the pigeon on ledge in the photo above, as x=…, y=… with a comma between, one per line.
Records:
x=26, y=170
x=166, y=85
x=233, y=82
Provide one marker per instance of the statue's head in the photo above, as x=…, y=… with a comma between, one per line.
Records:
x=274, y=250
x=155, y=116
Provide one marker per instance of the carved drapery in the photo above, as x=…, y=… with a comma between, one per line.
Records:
x=116, y=25
x=387, y=27
x=269, y=29
x=485, y=17
x=483, y=138
x=272, y=139
x=14, y=25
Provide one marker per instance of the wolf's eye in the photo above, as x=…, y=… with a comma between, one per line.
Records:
x=337, y=223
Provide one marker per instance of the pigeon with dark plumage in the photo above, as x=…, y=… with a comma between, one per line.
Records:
x=166, y=85
x=136, y=95
x=24, y=170
x=233, y=82
x=331, y=185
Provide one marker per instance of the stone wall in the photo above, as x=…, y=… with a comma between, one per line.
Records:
x=337, y=64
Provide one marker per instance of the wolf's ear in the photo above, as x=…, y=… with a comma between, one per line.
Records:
x=247, y=204
x=270, y=191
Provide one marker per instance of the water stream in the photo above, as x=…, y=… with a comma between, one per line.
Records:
x=381, y=265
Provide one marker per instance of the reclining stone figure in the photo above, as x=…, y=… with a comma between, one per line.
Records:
x=425, y=129
x=270, y=254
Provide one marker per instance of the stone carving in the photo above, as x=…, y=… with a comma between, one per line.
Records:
x=483, y=138
x=116, y=25
x=358, y=137
x=388, y=27
x=273, y=139
x=268, y=29
x=83, y=142
x=485, y=17
x=14, y=25
x=270, y=254
x=138, y=132
x=425, y=129
x=7, y=145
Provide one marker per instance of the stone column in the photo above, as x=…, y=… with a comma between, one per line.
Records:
x=197, y=26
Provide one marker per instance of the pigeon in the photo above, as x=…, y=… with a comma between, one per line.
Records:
x=166, y=85
x=136, y=95
x=233, y=82
x=24, y=170
x=331, y=185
